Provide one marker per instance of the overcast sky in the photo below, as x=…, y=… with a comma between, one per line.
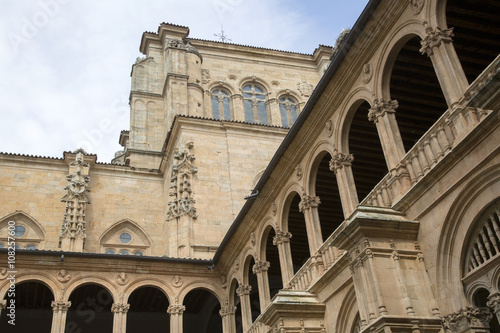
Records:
x=65, y=64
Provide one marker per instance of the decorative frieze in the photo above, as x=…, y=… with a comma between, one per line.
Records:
x=381, y=107
x=76, y=199
x=181, y=192
x=308, y=202
x=120, y=308
x=261, y=266
x=60, y=305
x=339, y=160
x=434, y=39
x=467, y=318
x=281, y=237
x=243, y=290
x=177, y=309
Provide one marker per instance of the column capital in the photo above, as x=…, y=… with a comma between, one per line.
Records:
x=308, y=202
x=435, y=36
x=227, y=311
x=281, y=237
x=466, y=318
x=120, y=307
x=339, y=160
x=60, y=305
x=243, y=290
x=494, y=302
x=176, y=309
x=261, y=266
x=381, y=107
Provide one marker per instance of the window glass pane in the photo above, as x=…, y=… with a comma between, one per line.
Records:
x=257, y=89
x=262, y=111
x=31, y=247
x=294, y=113
x=284, y=116
x=125, y=238
x=215, y=107
x=1, y=246
x=19, y=230
x=17, y=247
x=124, y=252
x=247, y=105
x=138, y=253
x=110, y=251
x=227, y=110
x=247, y=95
x=247, y=88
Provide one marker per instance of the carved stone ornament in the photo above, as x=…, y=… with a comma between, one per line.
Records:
x=175, y=44
x=122, y=279
x=281, y=237
x=308, y=202
x=299, y=172
x=467, y=318
x=305, y=88
x=76, y=198
x=252, y=238
x=3, y=274
x=236, y=265
x=58, y=306
x=494, y=302
x=3, y=304
x=339, y=160
x=380, y=108
x=177, y=281
x=416, y=6
x=223, y=281
x=243, y=290
x=227, y=310
x=63, y=276
x=366, y=73
x=329, y=128
x=176, y=309
x=120, y=308
x=205, y=76
x=274, y=209
x=434, y=39
x=261, y=266
x=181, y=193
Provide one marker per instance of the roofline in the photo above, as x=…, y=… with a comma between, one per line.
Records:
x=318, y=91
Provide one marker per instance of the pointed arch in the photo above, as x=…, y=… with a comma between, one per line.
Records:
x=33, y=233
x=139, y=240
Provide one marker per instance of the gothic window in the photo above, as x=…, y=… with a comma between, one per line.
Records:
x=125, y=238
x=254, y=104
x=27, y=232
x=288, y=110
x=220, y=104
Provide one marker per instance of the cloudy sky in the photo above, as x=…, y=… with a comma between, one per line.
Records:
x=65, y=64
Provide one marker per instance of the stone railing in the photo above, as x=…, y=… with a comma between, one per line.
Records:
x=450, y=129
x=315, y=266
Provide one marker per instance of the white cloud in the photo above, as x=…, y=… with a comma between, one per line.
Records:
x=65, y=64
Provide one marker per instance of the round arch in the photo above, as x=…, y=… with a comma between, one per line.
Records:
x=84, y=280
x=148, y=282
x=47, y=280
x=357, y=98
x=290, y=193
x=312, y=162
x=218, y=293
x=255, y=80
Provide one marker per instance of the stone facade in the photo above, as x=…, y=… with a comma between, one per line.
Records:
x=340, y=232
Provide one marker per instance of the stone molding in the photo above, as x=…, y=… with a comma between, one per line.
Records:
x=380, y=108
x=434, y=39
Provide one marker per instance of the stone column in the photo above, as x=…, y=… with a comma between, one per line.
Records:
x=120, y=317
x=228, y=320
x=175, y=311
x=243, y=293
x=494, y=304
x=260, y=269
x=468, y=320
x=3, y=305
x=238, y=112
x=274, y=111
x=282, y=241
x=439, y=47
x=383, y=114
x=60, y=309
x=309, y=207
x=340, y=164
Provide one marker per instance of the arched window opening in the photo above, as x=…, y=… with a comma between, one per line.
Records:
x=330, y=210
x=415, y=86
x=220, y=104
x=238, y=319
x=254, y=104
x=254, y=293
x=90, y=310
x=32, y=309
x=368, y=166
x=288, y=110
x=202, y=312
x=148, y=311
x=299, y=245
x=274, y=271
x=476, y=33
x=480, y=300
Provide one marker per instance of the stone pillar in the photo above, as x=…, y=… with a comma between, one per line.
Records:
x=260, y=269
x=238, y=112
x=438, y=46
x=274, y=111
x=494, y=304
x=60, y=309
x=282, y=241
x=309, y=206
x=243, y=293
x=340, y=164
x=228, y=320
x=120, y=317
x=3, y=305
x=175, y=311
x=383, y=114
x=468, y=320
